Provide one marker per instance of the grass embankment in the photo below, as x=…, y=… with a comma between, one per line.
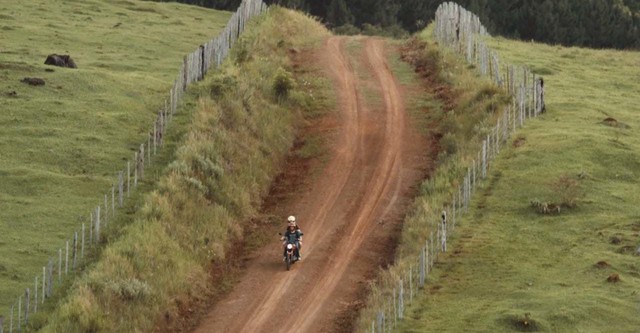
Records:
x=237, y=141
x=62, y=144
x=512, y=269
x=455, y=108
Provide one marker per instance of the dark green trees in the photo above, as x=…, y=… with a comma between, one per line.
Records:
x=594, y=23
x=338, y=13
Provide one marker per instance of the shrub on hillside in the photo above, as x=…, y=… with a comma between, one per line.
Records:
x=568, y=190
x=347, y=29
x=449, y=123
x=221, y=85
x=282, y=84
x=448, y=143
x=241, y=50
x=543, y=207
x=130, y=289
x=429, y=63
x=394, y=31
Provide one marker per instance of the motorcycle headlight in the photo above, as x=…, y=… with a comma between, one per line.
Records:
x=289, y=246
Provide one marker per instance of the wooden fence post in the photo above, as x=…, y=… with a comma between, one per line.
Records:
x=75, y=250
x=20, y=313
x=505, y=124
x=427, y=258
x=410, y=283
x=395, y=308
x=464, y=193
x=484, y=159
x=438, y=235
x=433, y=252
x=185, y=73
x=444, y=231
x=135, y=170
x=128, y=178
x=106, y=211
x=82, y=243
x=113, y=200
x=203, y=69
x=141, y=162
x=50, y=279
x=468, y=187
x=453, y=215
x=174, y=96
x=120, y=189
x=91, y=228
x=149, y=150
x=66, y=259
x=400, y=299
x=44, y=279
x=163, y=116
x=35, y=296
x=388, y=315
x=473, y=176
x=512, y=112
x=521, y=104
x=489, y=150
x=59, y=265
x=422, y=273
x=155, y=136
x=97, y=224
x=496, y=136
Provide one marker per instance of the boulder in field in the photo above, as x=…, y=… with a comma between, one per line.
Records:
x=60, y=60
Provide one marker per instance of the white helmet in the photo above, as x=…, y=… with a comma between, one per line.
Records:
x=291, y=218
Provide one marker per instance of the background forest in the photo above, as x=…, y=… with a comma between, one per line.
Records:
x=591, y=23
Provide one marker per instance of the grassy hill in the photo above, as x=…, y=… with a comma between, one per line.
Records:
x=512, y=269
x=62, y=144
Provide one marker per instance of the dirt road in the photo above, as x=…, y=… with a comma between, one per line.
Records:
x=350, y=213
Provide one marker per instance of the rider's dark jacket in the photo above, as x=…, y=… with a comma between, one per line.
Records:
x=293, y=236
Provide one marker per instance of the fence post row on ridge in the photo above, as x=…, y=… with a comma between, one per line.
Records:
x=461, y=31
x=194, y=67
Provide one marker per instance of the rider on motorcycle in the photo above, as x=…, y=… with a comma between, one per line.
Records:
x=293, y=235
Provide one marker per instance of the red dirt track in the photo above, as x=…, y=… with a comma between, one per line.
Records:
x=350, y=212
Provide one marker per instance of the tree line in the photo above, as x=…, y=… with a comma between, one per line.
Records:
x=589, y=23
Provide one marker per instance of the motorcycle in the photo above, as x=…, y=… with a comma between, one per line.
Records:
x=290, y=253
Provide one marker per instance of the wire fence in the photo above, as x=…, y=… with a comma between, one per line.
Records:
x=461, y=31
x=76, y=251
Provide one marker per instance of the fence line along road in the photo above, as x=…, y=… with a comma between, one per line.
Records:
x=86, y=238
x=461, y=31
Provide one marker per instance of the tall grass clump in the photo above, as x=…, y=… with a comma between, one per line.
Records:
x=236, y=143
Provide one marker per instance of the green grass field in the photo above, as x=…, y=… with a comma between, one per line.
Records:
x=62, y=144
x=509, y=265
